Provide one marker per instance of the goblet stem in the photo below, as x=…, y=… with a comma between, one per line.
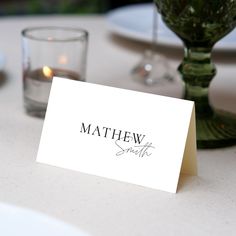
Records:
x=197, y=69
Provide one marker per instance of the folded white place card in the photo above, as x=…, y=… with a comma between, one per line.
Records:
x=135, y=137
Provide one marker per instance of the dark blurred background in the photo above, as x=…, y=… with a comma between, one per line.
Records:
x=22, y=7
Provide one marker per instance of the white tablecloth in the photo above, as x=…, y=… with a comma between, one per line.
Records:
x=204, y=205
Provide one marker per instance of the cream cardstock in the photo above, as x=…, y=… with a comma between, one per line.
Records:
x=135, y=137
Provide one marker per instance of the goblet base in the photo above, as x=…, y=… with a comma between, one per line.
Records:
x=216, y=131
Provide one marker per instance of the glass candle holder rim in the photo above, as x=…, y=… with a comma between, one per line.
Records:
x=81, y=33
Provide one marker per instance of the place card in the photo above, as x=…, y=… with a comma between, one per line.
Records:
x=129, y=136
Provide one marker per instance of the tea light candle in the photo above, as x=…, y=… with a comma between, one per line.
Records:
x=37, y=83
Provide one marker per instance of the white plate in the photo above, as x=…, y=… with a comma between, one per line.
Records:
x=135, y=22
x=16, y=221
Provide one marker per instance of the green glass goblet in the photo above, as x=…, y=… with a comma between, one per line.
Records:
x=200, y=24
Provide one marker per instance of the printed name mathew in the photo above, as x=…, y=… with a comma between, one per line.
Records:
x=122, y=139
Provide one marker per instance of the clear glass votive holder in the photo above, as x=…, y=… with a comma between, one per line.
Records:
x=48, y=52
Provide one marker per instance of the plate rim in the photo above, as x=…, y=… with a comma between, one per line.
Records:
x=37, y=218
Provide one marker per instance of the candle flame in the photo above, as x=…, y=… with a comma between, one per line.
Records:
x=47, y=72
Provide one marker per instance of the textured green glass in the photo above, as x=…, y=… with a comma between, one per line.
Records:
x=200, y=24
